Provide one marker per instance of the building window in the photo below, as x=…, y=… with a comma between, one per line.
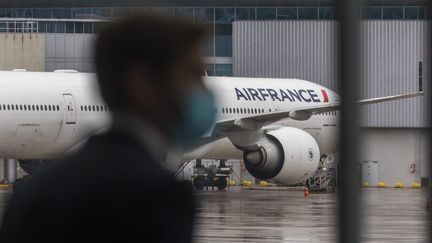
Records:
x=23, y=13
x=62, y=13
x=414, y=13
x=265, y=13
x=327, y=13
x=209, y=70
x=80, y=13
x=102, y=12
x=42, y=13
x=371, y=13
x=287, y=13
x=245, y=14
x=223, y=69
x=5, y=13
x=393, y=13
x=223, y=31
x=205, y=16
x=307, y=13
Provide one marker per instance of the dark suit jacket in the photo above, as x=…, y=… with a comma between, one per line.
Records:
x=110, y=191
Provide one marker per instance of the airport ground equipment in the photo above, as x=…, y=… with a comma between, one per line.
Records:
x=211, y=176
x=324, y=179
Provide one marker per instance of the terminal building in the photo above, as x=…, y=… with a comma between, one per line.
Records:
x=277, y=39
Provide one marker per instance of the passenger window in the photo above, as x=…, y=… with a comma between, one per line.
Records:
x=21, y=108
x=4, y=107
x=49, y=107
x=37, y=107
x=97, y=108
x=12, y=106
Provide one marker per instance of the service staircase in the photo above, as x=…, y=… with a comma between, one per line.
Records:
x=181, y=168
x=324, y=179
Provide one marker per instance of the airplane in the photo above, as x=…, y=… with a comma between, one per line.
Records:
x=280, y=128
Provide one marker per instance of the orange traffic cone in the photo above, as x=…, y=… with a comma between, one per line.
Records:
x=306, y=192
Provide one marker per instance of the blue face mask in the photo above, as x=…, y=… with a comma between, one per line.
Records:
x=198, y=114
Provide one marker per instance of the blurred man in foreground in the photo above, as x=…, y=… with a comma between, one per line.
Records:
x=116, y=188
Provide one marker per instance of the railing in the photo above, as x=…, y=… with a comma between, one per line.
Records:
x=34, y=25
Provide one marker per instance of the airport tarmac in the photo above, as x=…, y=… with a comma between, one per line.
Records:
x=237, y=215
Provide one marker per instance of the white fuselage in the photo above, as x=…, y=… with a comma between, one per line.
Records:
x=44, y=115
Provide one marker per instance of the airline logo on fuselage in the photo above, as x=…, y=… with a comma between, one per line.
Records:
x=292, y=95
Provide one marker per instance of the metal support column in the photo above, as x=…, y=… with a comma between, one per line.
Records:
x=10, y=170
x=349, y=75
x=428, y=103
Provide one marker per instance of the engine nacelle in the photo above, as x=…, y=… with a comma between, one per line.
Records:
x=287, y=155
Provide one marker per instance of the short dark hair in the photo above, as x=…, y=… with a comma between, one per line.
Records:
x=154, y=41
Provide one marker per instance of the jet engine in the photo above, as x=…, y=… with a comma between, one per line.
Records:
x=287, y=155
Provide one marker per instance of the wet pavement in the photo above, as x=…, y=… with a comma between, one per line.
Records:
x=237, y=215
x=390, y=215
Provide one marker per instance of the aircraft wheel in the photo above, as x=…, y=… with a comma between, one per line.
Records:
x=198, y=183
x=222, y=183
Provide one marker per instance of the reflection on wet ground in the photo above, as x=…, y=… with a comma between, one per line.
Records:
x=236, y=215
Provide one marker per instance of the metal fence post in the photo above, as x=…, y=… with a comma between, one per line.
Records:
x=349, y=76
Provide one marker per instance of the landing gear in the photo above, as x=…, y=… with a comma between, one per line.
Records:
x=212, y=176
x=199, y=183
x=221, y=183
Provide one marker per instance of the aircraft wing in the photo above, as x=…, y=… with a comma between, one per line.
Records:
x=258, y=121
x=255, y=122
x=389, y=98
